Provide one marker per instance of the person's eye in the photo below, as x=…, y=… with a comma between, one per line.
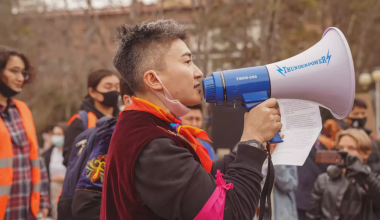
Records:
x=15, y=71
x=188, y=62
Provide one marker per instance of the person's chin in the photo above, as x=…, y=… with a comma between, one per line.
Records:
x=194, y=101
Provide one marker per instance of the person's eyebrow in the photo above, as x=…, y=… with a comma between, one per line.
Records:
x=187, y=54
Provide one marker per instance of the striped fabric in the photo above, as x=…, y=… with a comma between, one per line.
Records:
x=19, y=199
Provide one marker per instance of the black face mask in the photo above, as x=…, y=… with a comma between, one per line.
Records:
x=358, y=123
x=7, y=91
x=110, y=98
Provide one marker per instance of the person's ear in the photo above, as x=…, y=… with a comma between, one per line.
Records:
x=127, y=100
x=92, y=92
x=150, y=79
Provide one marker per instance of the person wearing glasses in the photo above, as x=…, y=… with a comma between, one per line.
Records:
x=24, y=183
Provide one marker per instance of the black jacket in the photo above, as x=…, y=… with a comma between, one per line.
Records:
x=336, y=197
x=194, y=187
x=76, y=127
x=46, y=157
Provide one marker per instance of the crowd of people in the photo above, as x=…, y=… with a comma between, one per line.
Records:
x=136, y=150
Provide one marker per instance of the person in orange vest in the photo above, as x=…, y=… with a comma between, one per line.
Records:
x=102, y=100
x=23, y=178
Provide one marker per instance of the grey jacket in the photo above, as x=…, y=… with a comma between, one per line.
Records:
x=286, y=181
x=336, y=197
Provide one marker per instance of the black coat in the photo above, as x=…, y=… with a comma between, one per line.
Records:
x=337, y=197
x=307, y=175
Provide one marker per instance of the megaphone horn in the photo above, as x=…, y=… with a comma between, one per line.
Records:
x=323, y=74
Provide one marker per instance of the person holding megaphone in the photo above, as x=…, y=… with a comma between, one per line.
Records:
x=156, y=168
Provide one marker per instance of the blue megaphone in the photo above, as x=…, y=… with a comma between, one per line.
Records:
x=248, y=86
x=323, y=74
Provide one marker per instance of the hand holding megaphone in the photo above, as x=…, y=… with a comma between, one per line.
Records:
x=262, y=122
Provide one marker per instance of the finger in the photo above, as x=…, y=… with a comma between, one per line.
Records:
x=274, y=111
x=277, y=118
x=270, y=103
x=279, y=125
x=282, y=135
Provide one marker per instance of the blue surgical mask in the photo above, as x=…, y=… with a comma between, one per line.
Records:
x=58, y=140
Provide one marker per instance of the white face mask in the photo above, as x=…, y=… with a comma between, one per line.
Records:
x=175, y=107
x=58, y=140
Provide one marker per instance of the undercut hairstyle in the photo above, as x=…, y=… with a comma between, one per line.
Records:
x=196, y=107
x=142, y=47
x=124, y=88
x=6, y=53
x=360, y=103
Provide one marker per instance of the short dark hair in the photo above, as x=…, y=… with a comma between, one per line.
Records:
x=125, y=89
x=360, y=103
x=196, y=107
x=6, y=53
x=95, y=77
x=142, y=47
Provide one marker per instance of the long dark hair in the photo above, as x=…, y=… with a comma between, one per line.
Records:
x=6, y=53
x=95, y=77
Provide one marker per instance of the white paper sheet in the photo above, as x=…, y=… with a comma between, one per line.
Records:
x=302, y=124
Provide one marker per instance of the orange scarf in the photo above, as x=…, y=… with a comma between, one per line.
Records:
x=191, y=133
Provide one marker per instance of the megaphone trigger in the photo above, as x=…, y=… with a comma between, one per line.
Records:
x=276, y=139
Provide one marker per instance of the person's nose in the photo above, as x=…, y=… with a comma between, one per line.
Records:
x=20, y=78
x=197, y=73
x=193, y=122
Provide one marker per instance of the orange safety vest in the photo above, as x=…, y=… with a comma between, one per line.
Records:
x=91, y=119
x=6, y=160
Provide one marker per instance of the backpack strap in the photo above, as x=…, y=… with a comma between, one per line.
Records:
x=92, y=119
x=72, y=119
x=83, y=116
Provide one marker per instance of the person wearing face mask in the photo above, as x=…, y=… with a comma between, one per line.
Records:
x=195, y=119
x=102, y=100
x=156, y=168
x=357, y=119
x=350, y=190
x=53, y=159
x=23, y=177
x=81, y=191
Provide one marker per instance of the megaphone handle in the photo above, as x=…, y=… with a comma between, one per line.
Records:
x=251, y=100
x=276, y=139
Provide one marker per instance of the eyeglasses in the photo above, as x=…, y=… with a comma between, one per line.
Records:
x=17, y=72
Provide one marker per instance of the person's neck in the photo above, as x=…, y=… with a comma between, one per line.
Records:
x=105, y=110
x=152, y=98
x=3, y=100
